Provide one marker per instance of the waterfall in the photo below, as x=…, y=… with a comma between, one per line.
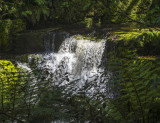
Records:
x=76, y=65
x=73, y=63
x=50, y=37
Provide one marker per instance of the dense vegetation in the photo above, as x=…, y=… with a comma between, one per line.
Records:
x=133, y=60
x=18, y=15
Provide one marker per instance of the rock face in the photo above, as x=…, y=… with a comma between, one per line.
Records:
x=38, y=41
x=30, y=42
x=43, y=40
x=54, y=39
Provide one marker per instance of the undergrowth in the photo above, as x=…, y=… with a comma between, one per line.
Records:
x=145, y=42
x=138, y=79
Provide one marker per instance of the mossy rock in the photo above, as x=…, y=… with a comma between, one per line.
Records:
x=145, y=42
x=28, y=58
x=33, y=41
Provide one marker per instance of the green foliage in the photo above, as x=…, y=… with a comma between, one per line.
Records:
x=4, y=33
x=10, y=90
x=7, y=80
x=139, y=92
x=9, y=28
x=136, y=79
x=105, y=11
x=27, y=95
x=133, y=9
x=84, y=108
x=17, y=27
x=7, y=9
x=71, y=11
x=51, y=107
x=153, y=18
x=145, y=42
x=34, y=10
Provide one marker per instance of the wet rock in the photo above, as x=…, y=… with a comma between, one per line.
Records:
x=54, y=39
x=30, y=42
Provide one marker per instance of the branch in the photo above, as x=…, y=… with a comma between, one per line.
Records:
x=13, y=118
x=4, y=15
x=141, y=23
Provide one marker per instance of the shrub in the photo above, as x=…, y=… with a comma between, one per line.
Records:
x=145, y=42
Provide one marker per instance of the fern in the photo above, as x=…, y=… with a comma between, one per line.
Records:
x=145, y=42
x=137, y=93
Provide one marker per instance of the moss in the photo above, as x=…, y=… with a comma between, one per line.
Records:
x=146, y=42
x=77, y=37
x=85, y=38
x=27, y=57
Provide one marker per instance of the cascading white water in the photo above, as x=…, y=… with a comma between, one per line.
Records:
x=49, y=44
x=76, y=56
x=76, y=65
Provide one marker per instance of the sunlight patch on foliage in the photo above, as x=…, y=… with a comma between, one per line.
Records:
x=8, y=78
